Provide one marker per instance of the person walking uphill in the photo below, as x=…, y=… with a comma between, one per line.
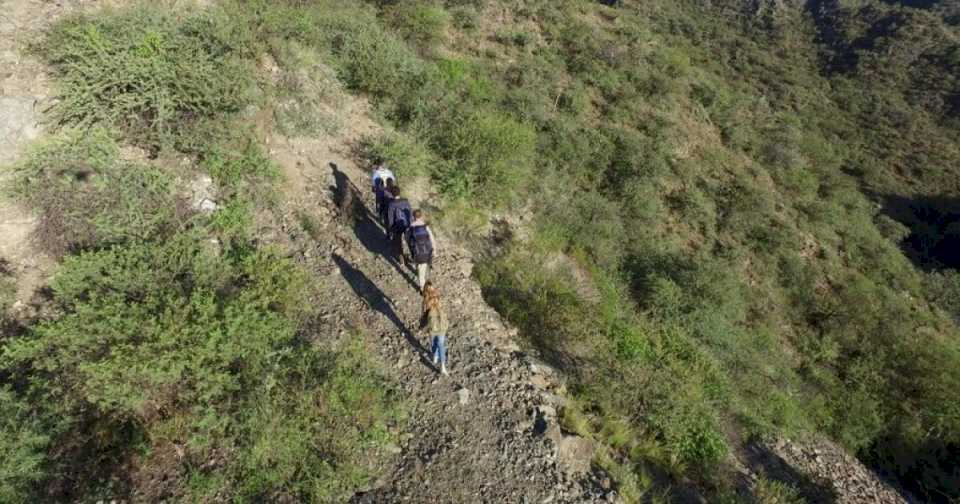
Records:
x=423, y=247
x=435, y=321
x=382, y=179
x=399, y=217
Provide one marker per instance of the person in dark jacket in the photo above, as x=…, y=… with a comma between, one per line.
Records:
x=399, y=217
x=383, y=202
x=422, y=245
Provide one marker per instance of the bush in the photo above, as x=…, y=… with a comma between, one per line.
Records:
x=489, y=155
x=87, y=197
x=943, y=288
x=241, y=168
x=769, y=491
x=24, y=438
x=336, y=401
x=309, y=95
x=405, y=154
x=172, y=338
x=151, y=72
x=421, y=22
x=372, y=60
x=157, y=302
x=8, y=288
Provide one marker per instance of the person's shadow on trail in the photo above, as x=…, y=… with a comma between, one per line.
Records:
x=349, y=199
x=376, y=299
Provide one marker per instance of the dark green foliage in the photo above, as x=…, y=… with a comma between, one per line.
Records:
x=150, y=72
x=155, y=303
x=162, y=336
x=490, y=155
x=8, y=289
x=405, y=154
x=25, y=436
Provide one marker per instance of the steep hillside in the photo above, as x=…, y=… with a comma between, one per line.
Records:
x=721, y=232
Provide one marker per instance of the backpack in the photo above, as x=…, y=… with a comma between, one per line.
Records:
x=421, y=248
x=401, y=215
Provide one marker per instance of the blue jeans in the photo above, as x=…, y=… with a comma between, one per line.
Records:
x=440, y=348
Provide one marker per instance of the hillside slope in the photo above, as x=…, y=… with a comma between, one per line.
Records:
x=694, y=252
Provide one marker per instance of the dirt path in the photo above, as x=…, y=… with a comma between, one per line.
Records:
x=25, y=89
x=487, y=432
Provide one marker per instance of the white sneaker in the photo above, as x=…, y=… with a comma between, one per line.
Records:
x=443, y=369
x=435, y=360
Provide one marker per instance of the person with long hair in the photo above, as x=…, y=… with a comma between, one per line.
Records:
x=435, y=321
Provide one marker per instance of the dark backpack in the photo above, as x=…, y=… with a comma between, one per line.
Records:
x=400, y=215
x=421, y=248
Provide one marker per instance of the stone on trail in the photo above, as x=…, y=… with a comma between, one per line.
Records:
x=539, y=381
x=576, y=452
x=464, y=395
x=201, y=194
x=18, y=125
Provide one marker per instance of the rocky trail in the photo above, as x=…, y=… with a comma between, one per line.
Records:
x=488, y=432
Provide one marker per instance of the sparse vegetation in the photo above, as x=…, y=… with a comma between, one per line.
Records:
x=737, y=189
x=87, y=197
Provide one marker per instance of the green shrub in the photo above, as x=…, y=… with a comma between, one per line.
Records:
x=149, y=71
x=372, y=60
x=405, y=154
x=943, y=288
x=769, y=491
x=241, y=168
x=697, y=441
x=87, y=197
x=335, y=401
x=232, y=221
x=8, y=288
x=490, y=155
x=24, y=439
x=309, y=95
x=420, y=22
x=465, y=17
x=155, y=303
x=174, y=339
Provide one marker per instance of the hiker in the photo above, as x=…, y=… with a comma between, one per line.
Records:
x=422, y=246
x=399, y=216
x=435, y=321
x=386, y=196
x=381, y=178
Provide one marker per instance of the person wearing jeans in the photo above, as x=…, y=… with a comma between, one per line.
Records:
x=435, y=321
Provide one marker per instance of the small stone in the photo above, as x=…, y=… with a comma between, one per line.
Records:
x=576, y=452
x=539, y=381
x=464, y=395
